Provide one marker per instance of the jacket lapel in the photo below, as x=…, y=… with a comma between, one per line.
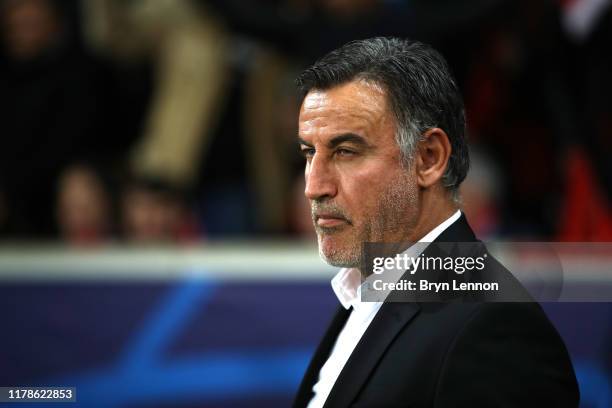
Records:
x=389, y=321
x=311, y=376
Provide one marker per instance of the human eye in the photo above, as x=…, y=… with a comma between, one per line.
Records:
x=307, y=152
x=344, y=152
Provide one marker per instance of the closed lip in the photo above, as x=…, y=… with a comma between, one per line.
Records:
x=328, y=216
x=329, y=220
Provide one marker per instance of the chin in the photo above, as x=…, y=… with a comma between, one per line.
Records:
x=336, y=253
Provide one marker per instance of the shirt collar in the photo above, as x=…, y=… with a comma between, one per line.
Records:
x=435, y=233
x=346, y=284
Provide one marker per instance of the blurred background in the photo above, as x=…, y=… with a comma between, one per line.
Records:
x=175, y=120
x=142, y=140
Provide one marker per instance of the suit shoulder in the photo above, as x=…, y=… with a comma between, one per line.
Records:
x=512, y=348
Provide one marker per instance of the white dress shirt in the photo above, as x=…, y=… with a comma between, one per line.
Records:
x=347, y=287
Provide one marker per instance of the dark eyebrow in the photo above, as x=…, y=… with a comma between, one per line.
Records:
x=337, y=140
x=303, y=142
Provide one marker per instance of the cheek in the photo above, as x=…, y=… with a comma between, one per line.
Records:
x=362, y=191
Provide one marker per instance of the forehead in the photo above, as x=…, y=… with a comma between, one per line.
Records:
x=356, y=107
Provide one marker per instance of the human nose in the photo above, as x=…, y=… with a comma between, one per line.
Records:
x=320, y=180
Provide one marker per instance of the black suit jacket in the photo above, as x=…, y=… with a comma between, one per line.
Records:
x=450, y=354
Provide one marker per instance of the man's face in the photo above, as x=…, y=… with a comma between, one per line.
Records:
x=355, y=182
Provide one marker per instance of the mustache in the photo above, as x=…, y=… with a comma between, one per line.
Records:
x=329, y=209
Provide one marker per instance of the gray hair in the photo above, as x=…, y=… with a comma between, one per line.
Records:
x=418, y=82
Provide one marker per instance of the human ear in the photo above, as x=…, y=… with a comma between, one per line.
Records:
x=432, y=155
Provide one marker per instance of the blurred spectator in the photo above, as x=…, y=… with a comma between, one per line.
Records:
x=31, y=27
x=587, y=202
x=528, y=101
x=586, y=214
x=52, y=111
x=186, y=46
x=519, y=108
x=153, y=213
x=213, y=121
x=84, y=207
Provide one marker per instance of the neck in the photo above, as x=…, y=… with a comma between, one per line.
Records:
x=435, y=207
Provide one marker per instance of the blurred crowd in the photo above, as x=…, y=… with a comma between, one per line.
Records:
x=175, y=120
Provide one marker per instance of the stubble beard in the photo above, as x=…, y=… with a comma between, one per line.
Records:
x=392, y=217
